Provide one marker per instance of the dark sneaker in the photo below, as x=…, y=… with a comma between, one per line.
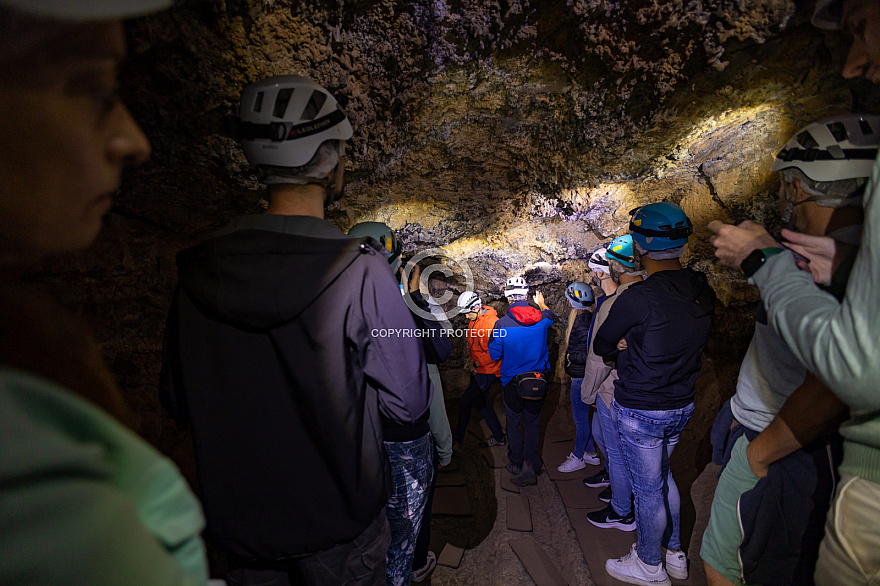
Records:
x=491, y=442
x=513, y=468
x=526, y=477
x=608, y=519
x=605, y=495
x=598, y=480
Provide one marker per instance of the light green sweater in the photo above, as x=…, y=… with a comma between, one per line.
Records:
x=84, y=501
x=839, y=342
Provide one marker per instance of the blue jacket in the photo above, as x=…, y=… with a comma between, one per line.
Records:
x=522, y=346
x=666, y=321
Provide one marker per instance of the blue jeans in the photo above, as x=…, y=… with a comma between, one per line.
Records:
x=527, y=411
x=621, y=486
x=583, y=440
x=412, y=467
x=647, y=439
x=477, y=394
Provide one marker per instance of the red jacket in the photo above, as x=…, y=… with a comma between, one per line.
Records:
x=479, y=332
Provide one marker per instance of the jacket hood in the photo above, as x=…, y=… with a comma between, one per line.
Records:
x=261, y=279
x=690, y=285
x=526, y=314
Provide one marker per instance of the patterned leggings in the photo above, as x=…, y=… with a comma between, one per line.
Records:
x=412, y=467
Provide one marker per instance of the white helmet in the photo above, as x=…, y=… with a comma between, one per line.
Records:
x=833, y=149
x=283, y=120
x=599, y=261
x=516, y=286
x=468, y=302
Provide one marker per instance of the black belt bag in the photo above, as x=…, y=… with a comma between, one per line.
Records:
x=531, y=385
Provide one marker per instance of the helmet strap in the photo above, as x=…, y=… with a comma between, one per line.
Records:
x=336, y=190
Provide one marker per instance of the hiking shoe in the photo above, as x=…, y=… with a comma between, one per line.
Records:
x=526, y=477
x=513, y=468
x=591, y=459
x=632, y=570
x=676, y=564
x=425, y=571
x=598, y=480
x=608, y=519
x=493, y=442
x=572, y=463
x=605, y=495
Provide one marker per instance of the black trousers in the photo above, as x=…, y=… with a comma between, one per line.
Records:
x=359, y=562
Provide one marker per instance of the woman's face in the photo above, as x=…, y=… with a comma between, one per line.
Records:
x=64, y=140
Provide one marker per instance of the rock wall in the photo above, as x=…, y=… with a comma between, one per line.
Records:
x=513, y=135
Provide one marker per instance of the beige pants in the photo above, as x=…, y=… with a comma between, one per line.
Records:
x=850, y=553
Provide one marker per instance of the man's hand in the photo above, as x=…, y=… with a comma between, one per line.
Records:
x=759, y=468
x=539, y=300
x=734, y=243
x=472, y=368
x=414, y=278
x=822, y=254
x=622, y=345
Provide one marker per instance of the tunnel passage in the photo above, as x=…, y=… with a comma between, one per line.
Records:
x=514, y=136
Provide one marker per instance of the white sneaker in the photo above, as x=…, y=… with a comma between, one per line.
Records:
x=677, y=564
x=571, y=464
x=591, y=459
x=632, y=570
x=425, y=571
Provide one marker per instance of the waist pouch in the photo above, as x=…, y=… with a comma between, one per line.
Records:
x=531, y=385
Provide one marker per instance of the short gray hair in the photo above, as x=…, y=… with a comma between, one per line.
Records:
x=831, y=194
x=667, y=254
x=622, y=269
x=318, y=168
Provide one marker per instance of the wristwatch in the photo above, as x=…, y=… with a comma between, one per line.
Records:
x=754, y=261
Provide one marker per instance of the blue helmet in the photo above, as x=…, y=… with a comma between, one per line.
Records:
x=580, y=295
x=386, y=238
x=621, y=250
x=660, y=226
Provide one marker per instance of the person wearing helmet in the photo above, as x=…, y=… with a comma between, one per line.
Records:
x=656, y=330
x=837, y=342
x=484, y=370
x=84, y=500
x=391, y=246
x=519, y=341
x=821, y=197
x=280, y=354
x=413, y=450
x=598, y=387
x=581, y=298
x=605, y=288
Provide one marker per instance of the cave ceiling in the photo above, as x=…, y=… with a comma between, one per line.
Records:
x=516, y=135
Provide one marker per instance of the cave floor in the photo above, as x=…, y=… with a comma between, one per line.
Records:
x=474, y=517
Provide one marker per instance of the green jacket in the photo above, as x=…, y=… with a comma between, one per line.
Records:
x=84, y=501
x=839, y=342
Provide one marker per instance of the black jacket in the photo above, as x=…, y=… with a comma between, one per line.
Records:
x=437, y=346
x=666, y=321
x=578, y=345
x=276, y=353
